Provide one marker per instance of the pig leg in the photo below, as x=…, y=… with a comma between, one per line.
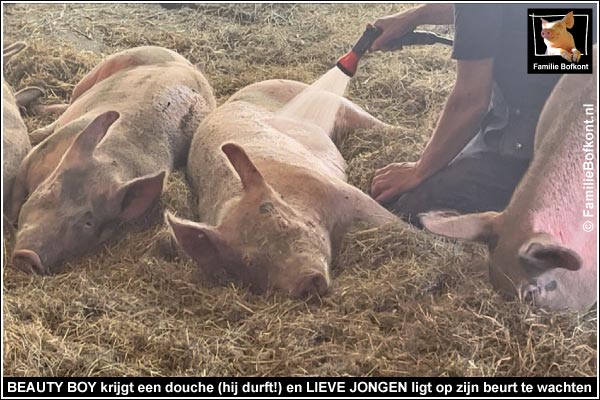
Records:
x=40, y=134
x=576, y=54
x=350, y=206
x=350, y=117
x=283, y=91
x=50, y=109
x=276, y=93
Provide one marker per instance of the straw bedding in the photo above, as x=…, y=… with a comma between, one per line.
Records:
x=402, y=303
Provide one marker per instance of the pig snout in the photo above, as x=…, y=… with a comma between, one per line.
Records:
x=546, y=34
x=29, y=262
x=313, y=283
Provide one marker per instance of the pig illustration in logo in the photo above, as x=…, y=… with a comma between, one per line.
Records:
x=559, y=41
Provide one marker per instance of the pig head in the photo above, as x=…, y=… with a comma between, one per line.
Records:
x=81, y=204
x=558, y=40
x=261, y=240
x=273, y=192
x=525, y=263
x=104, y=160
x=539, y=248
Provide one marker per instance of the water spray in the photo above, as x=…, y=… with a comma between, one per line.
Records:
x=315, y=105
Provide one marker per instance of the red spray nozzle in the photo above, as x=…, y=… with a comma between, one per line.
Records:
x=348, y=63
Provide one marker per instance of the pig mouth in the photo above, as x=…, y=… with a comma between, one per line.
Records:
x=310, y=284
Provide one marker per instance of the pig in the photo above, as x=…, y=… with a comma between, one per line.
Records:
x=540, y=247
x=15, y=142
x=104, y=160
x=560, y=42
x=272, y=193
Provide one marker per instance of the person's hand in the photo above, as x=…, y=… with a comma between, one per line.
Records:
x=393, y=26
x=393, y=180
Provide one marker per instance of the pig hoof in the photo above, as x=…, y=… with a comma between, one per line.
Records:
x=576, y=56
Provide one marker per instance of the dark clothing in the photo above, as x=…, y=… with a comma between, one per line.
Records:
x=484, y=175
x=499, y=31
x=482, y=181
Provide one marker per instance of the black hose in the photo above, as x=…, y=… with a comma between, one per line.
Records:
x=417, y=38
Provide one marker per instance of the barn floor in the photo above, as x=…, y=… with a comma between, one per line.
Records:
x=403, y=303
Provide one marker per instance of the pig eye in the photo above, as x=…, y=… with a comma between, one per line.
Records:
x=552, y=285
x=266, y=207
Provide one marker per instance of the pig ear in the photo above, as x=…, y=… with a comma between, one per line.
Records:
x=201, y=242
x=544, y=23
x=542, y=253
x=476, y=227
x=137, y=196
x=249, y=175
x=11, y=50
x=569, y=20
x=86, y=142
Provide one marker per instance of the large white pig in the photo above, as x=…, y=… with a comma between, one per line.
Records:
x=130, y=121
x=272, y=192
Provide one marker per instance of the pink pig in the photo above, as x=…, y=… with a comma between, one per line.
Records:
x=559, y=41
x=543, y=246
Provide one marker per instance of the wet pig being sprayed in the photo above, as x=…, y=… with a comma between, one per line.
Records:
x=104, y=160
x=272, y=192
x=541, y=247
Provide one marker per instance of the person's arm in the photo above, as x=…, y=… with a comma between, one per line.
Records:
x=458, y=124
x=478, y=32
x=398, y=25
x=460, y=119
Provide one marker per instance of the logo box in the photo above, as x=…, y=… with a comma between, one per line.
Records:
x=538, y=62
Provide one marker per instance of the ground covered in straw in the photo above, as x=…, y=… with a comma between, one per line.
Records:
x=403, y=303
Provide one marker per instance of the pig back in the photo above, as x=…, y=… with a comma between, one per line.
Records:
x=15, y=142
x=160, y=107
